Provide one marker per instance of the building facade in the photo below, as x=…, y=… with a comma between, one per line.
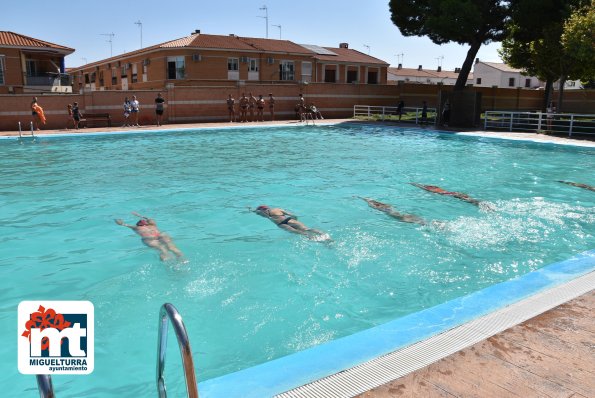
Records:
x=29, y=65
x=201, y=59
x=424, y=76
x=494, y=74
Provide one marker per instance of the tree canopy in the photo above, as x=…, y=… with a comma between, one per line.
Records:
x=472, y=22
x=535, y=43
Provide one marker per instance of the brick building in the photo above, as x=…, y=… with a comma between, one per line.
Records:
x=201, y=59
x=29, y=65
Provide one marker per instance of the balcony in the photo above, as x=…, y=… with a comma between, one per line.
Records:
x=50, y=81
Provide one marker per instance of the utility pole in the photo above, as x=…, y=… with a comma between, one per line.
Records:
x=368, y=47
x=266, y=17
x=279, y=26
x=111, y=36
x=140, y=25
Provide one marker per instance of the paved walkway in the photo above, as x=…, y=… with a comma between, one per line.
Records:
x=551, y=355
x=511, y=136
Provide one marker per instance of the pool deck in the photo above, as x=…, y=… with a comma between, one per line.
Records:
x=550, y=355
x=542, y=138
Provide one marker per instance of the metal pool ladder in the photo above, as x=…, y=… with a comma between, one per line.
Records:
x=169, y=313
x=21, y=135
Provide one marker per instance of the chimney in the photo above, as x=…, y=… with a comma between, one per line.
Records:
x=196, y=32
x=419, y=67
x=400, y=66
x=457, y=70
x=476, y=60
x=343, y=45
x=439, y=69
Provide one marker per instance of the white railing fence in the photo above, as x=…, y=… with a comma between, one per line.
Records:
x=559, y=123
x=408, y=114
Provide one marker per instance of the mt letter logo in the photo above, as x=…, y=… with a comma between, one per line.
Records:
x=55, y=337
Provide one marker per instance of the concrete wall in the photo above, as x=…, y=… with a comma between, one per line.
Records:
x=207, y=103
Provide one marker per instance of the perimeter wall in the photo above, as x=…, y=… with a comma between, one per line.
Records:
x=186, y=104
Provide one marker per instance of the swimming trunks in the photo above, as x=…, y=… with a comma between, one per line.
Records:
x=286, y=220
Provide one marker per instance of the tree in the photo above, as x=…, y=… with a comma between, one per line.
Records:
x=472, y=22
x=578, y=39
x=534, y=42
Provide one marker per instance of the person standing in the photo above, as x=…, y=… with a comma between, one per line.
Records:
x=551, y=109
x=272, y=106
x=230, y=108
x=424, y=113
x=446, y=113
x=243, y=108
x=135, y=109
x=76, y=115
x=159, y=101
x=251, y=106
x=260, y=109
x=70, y=118
x=400, y=109
x=37, y=113
x=127, y=109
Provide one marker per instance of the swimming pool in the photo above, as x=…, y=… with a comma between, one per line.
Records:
x=252, y=292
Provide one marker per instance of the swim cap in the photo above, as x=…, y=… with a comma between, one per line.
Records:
x=142, y=223
x=262, y=207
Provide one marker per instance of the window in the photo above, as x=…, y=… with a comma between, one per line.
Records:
x=114, y=76
x=511, y=82
x=101, y=78
x=86, y=78
x=330, y=75
x=253, y=65
x=527, y=83
x=2, y=69
x=124, y=71
x=31, y=68
x=286, y=70
x=134, y=73
x=351, y=76
x=93, y=77
x=478, y=80
x=306, y=71
x=176, y=68
x=232, y=64
x=372, y=77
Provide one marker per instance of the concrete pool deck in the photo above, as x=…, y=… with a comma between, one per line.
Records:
x=550, y=355
x=518, y=136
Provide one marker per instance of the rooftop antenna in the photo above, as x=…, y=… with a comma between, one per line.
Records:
x=111, y=37
x=439, y=59
x=368, y=47
x=266, y=17
x=400, y=58
x=85, y=60
x=140, y=25
x=279, y=26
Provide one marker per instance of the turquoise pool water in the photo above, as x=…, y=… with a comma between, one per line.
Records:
x=252, y=292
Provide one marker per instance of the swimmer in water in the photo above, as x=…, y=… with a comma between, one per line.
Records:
x=289, y=222
x=440, y=191
x=388, y=209
x=152, y=237
x=578, y=184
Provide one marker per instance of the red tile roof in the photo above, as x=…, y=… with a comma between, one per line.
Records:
x=425, y=73
x=349, y=55
x=11, y=39
x=277, y=46
x=218, y=42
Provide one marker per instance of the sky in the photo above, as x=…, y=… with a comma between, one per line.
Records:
x=366, y=26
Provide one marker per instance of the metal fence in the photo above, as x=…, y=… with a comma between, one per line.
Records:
x=559, y=123
x=408, y=114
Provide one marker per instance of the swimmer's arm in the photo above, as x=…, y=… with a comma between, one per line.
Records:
x=120, y=222
x=149, y=220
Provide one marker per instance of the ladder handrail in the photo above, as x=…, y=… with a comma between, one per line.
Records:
x=169, y=313
x=45, y=387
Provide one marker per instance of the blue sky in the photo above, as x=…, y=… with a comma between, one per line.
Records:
x=80, y=25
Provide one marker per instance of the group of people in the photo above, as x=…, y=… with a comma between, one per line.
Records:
x=151, y=236
x=247, y=106
x=306, y=112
